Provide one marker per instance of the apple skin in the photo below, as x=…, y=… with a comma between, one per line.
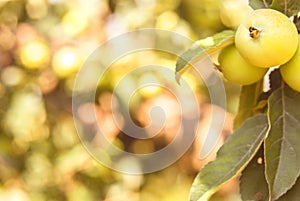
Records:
x=267, y=38
x=232, y=12
x=236, y=69
x=290, y=71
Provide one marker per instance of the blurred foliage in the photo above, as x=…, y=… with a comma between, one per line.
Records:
x=42, y=46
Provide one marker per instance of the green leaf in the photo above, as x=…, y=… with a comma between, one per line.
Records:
x=282, y=146
x=293, y=194
x=248, y=102
x=202, y=48
x=231, y=159
x=257, y=4
x=253, y=185
x=288, y=7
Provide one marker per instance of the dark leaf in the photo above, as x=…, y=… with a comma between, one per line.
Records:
x=253, y=185
x=248, y=102
x=288, y=7
x=282, y=146
x=202, y=48
x=257, y=4
x=293, y=194
x=231, y=159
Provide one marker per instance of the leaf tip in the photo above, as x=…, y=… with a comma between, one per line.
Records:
x=177, y=78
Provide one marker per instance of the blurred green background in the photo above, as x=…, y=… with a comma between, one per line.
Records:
x=42, y=46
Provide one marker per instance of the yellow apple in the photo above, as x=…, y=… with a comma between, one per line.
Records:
x=232, y=12
x=290, y=71
x=236, y=69
x=267, y=38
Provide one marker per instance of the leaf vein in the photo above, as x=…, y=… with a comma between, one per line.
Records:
x=248, y=153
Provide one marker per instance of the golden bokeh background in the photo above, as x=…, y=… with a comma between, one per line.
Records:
x=43, y=44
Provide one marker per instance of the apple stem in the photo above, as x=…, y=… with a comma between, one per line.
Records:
x=254, y=32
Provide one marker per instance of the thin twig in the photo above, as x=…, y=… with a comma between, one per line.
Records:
x=266, y=4
x=285, y=6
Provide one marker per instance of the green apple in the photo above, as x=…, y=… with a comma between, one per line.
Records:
x=236, y=69
x=290, y=71
x=267, y=38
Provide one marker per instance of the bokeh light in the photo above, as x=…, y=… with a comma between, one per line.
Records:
x=66, y=61
x=43, y=44
x=74, y=22
x=34, y=55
